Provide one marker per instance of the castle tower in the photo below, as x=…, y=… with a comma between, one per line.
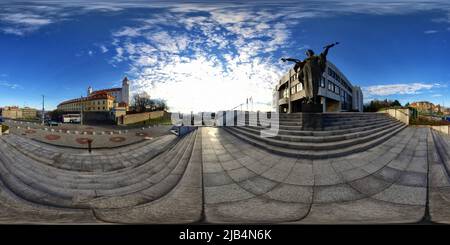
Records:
x=89, y=91
x=126, y=90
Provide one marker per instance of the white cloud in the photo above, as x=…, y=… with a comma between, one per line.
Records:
x=127, y=31
x=104, y=49
x=430, y=31
x=395, y=89
x=190, y=57
x=207, y=62
x=10, y=85
x=209, y=55
x=21, y=23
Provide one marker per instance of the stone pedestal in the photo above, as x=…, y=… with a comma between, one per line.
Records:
x=311, y=108
x=312, y=121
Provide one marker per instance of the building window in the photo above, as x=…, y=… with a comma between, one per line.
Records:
x=293, y=90
x=330, y=85
x=322, y=82
x=285, y=93
x=336, y=89
x=299, y=87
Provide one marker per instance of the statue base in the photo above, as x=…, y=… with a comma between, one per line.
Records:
x=311, y=108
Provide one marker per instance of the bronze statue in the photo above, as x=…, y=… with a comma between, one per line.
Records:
x=310, y=72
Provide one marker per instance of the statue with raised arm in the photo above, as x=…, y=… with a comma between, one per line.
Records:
x=310, y=72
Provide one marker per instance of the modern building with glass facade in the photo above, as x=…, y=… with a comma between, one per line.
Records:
x=335, y=91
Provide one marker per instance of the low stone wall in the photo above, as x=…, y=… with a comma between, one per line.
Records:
x=403, y=115
x=139, y=117
x=100, y=117
x=443, y=129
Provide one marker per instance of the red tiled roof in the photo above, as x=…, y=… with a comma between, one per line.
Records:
x=97, y=96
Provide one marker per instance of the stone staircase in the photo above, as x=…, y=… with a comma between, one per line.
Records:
x=321, y=135
x=29, y=179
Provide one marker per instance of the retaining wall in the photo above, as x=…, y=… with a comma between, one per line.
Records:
x=403, y=115
x=139, y=117
x=444, y=129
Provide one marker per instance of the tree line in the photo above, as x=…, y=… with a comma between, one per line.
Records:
x=376, y=105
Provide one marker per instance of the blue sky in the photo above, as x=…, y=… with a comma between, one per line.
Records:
x=211, y=56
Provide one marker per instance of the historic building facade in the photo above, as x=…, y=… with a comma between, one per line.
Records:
x=14, y=112
x=428, y=107
x=96, y=102
x=100, y=101
x=121, y=95
x=335, y=91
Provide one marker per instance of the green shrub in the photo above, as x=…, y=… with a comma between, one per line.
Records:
x=4, y=128
x=421, y=120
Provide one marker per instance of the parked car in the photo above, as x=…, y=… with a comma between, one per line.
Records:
x=1, y=119
x=51, y=123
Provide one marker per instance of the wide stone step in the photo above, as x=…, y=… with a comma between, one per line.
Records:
x=314, y=154
x=63, y=194
x=442, y=142
x=97, y=161
x=104, y=180
x=331, y=115
x=101, y=179
x=336, y=127
x=316, y=146
x=325, y=125
x=155, y=191
x=326, y=132
x=319, y=139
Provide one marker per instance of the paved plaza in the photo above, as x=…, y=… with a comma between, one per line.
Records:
x=211, y=175
x=77, y=136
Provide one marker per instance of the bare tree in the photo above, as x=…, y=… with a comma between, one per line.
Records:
x=141, y=101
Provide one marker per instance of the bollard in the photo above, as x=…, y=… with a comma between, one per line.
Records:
x=89, y=145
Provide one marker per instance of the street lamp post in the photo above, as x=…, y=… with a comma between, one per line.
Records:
x=43, y=110
x=82, y=110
